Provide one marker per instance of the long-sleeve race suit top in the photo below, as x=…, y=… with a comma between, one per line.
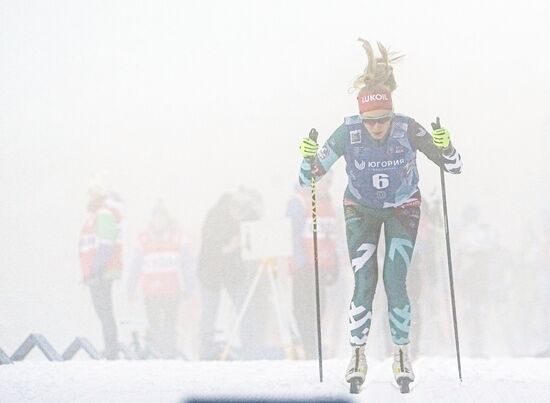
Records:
x=381, y=173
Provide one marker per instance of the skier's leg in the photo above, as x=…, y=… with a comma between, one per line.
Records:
x=400, y=229
x=363, y=232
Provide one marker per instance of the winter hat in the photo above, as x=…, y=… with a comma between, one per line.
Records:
x=374, y=99
x=98, y=185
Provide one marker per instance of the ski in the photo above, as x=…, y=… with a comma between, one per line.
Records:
x=402, y=369
x=403, y=384
x=355, y=385
x=357, y=369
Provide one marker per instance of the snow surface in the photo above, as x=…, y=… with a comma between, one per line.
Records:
x=484, y=380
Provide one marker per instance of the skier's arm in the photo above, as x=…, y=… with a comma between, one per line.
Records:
x=447, y=158
x=319, y=165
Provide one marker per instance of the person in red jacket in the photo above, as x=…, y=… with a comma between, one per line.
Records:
x=101, y=257
x=163, y=265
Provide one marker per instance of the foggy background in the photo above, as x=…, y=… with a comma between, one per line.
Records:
x=182, y=101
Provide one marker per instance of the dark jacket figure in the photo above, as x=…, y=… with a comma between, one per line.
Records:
x=220, y=267
x=101, y=259
x=163, y=265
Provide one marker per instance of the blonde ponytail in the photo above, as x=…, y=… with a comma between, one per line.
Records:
x=379, y=70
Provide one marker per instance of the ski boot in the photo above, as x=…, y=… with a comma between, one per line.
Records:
x=402, y=369
x=357, y=369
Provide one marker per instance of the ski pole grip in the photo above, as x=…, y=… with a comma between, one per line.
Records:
x=313, y=134
x=437, y=124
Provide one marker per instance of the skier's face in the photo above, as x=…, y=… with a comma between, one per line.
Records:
x=95, y=201
x=160, y=221
x=377, y=122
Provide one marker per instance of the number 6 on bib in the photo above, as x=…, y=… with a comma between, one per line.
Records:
x=380, y=181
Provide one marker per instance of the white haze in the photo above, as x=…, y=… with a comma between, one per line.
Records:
x=183, y=100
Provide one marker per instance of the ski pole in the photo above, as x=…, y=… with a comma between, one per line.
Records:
x=313, y=135
x=435, y=126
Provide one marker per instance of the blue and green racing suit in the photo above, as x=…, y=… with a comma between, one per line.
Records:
x=382, y=189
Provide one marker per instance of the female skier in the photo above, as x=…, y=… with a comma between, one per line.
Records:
x=379, y=147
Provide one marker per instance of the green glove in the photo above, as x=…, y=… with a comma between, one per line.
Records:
x=308, y=147
x=441, y=138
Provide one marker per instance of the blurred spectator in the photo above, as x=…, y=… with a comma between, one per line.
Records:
x=249, y=202
x=254, y=333
x=164, y=266
x=221, y=268
x=101, y=257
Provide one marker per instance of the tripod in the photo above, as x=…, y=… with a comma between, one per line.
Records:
x=286, y=322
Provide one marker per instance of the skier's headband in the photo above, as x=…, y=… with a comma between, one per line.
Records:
x=374, y=100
